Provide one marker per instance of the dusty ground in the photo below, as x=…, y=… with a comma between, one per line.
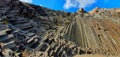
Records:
x=86, y=55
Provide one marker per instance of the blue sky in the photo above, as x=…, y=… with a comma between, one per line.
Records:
x=74, y=5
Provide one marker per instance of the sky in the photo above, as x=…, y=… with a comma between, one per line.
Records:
x=74, y=5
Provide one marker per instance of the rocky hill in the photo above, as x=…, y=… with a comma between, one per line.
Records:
x=28, y=30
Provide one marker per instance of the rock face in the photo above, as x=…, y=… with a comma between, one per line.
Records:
x=81, y=10
x=94, y=11
x=28, y=30
x=96, y=30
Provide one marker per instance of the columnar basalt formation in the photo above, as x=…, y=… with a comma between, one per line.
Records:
x=101, y=36
x=28, y=30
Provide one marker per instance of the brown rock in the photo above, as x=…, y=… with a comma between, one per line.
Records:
x=81, y=10
x=94, y=11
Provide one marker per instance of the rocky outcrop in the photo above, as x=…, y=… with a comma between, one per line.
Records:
x=94, y=11
x=23, y=28
x=28, y=30
x=81, y=10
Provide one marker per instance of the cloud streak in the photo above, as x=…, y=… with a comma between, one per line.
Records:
x=78, y=3
x=28, y=1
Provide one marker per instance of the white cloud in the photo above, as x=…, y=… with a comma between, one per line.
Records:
x=78, y=3
x=40, y=5
x=28, y=1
